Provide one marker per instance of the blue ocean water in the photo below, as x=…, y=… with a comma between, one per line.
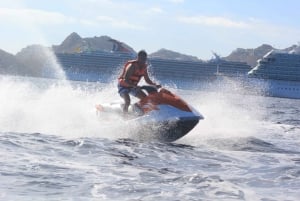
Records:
x=53, y=147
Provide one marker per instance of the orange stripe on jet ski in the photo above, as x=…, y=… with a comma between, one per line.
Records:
x=162, y=97
x=171, y=99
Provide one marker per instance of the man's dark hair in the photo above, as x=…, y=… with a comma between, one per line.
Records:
x=142, y=53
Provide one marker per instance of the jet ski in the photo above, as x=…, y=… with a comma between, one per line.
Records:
x=161, y=114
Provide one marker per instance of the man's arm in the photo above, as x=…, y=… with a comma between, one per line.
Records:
x=148, y=80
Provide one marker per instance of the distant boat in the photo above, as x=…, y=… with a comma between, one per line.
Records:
x=279, y=73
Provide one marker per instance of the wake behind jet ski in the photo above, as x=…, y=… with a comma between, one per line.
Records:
x=161, y=114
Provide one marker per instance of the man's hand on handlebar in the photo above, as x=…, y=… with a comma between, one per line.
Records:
x=157, y=86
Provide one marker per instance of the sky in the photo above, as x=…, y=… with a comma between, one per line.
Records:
x=192, y=27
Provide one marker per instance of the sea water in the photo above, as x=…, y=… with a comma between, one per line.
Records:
x=54, y=147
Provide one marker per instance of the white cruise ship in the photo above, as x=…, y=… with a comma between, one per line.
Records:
x=99, y=65
x=279, y=73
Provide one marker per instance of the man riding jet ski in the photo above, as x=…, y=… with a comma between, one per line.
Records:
x=161, y=114
x=131, y=75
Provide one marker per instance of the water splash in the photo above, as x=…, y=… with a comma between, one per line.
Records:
x=52, y=107
x=39, y=60
x=227, y=110
x=54, y=68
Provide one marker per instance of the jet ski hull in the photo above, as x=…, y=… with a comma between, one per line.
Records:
x=161, y=115
x=169, y=131
x=167, y=124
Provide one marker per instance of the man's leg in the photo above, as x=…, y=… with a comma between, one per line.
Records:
x=124, y=93
x=126, y=98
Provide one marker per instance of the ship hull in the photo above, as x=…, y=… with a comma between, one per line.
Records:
x=277, y=88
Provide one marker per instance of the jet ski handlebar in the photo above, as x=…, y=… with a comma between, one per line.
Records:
x=150, y=88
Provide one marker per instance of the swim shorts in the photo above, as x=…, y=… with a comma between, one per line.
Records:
x=130, y=90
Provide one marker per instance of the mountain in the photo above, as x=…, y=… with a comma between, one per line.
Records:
x=169, y=54
x=250, y=56
x=10, y=65
x=36, y=58
x=75, y=43
x=70, y=44
x=32, y=60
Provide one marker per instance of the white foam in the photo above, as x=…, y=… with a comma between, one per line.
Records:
x=227, y=114
x=54, y=109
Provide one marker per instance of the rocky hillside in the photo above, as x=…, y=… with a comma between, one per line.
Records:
x=36, y=58
x=75, y=43
x=251, y=56
x=10, y=65
x=169, y=54
x=33, y=59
